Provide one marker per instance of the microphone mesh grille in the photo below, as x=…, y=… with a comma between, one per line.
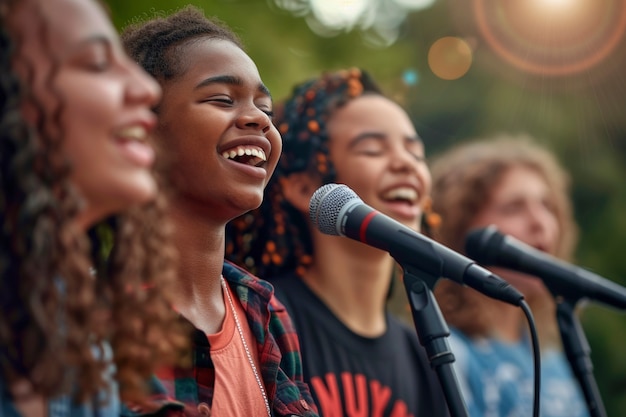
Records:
x=326, y=204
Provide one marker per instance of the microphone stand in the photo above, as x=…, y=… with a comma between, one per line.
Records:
x=577, y=350
x=432, y=331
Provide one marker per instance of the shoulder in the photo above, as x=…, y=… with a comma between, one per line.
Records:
x=287, y=288
x=248, y=288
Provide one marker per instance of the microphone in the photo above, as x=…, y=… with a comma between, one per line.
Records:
x=337, y=210
x=490, y=247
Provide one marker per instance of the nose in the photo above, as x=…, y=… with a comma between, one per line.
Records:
x=542, y=221
x=401, y=159
x=251, y=117
x=142, y=88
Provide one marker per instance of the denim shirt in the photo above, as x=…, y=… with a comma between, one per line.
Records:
x=63, y=406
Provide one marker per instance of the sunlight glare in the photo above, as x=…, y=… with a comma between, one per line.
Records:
x=556, y=4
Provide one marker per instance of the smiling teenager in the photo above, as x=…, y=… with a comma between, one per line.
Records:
x=221, y=149
x=77, y=318
x=357, y=357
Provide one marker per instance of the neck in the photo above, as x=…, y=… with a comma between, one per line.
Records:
x=353, y=280
x=200, y=244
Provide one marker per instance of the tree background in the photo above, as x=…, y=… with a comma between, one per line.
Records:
x=580, y=116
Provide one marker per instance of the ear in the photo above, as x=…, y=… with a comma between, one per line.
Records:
x=298, y=188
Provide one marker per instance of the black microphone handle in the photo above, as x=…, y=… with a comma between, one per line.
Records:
x=492, y=248
x=361, y=222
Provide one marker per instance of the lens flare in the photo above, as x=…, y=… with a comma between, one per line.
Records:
x=551, y=37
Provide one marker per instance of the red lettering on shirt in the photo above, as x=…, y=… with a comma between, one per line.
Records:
x=328, y=399
x=399, y=410
x=380, y=398
x=356, y=397
x=355, y=407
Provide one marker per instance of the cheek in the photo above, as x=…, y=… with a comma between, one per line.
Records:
x=92, y=115
x=277, y=148
x=354, y=175
x=425, y=178
x=554, y=231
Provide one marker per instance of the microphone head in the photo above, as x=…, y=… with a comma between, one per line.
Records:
x=326, y=204
x=483, y=245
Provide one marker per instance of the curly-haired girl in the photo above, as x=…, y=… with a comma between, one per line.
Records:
x=83, y=247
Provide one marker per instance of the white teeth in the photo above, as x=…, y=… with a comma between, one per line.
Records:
x=138, y=133
x=401, y=193
x=244, y=150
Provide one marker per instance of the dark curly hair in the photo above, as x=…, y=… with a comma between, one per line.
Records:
x=65, y=294
x=159, y=44
x=275, y=238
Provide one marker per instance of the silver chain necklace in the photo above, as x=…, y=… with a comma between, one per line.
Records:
x=245, y=346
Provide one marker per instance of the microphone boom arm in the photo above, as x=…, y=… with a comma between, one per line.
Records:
x=578, y=352
x=432, y=331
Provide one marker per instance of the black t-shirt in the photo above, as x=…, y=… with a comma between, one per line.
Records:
x=352, y=375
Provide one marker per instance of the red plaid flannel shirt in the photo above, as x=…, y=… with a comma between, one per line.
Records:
x=180, y=391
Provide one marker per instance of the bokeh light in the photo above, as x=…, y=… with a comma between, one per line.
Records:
x=378, y=20
x=339, y=13
x=410, y=77
x=450, y=58
x=414, y=4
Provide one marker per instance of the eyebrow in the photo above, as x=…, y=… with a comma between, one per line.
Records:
x=231, y=80
x=378, y=136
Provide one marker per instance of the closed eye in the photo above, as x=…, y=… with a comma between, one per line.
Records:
x=370, y=151
x=224, y=100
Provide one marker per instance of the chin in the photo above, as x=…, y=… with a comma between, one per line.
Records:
x=144, y=191
x=138, y=195
x=246, y=203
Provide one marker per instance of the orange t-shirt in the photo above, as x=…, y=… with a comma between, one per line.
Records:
x=237, y=392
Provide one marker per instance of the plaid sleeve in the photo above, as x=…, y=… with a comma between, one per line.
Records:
x=277, y=343
x=158, y=403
